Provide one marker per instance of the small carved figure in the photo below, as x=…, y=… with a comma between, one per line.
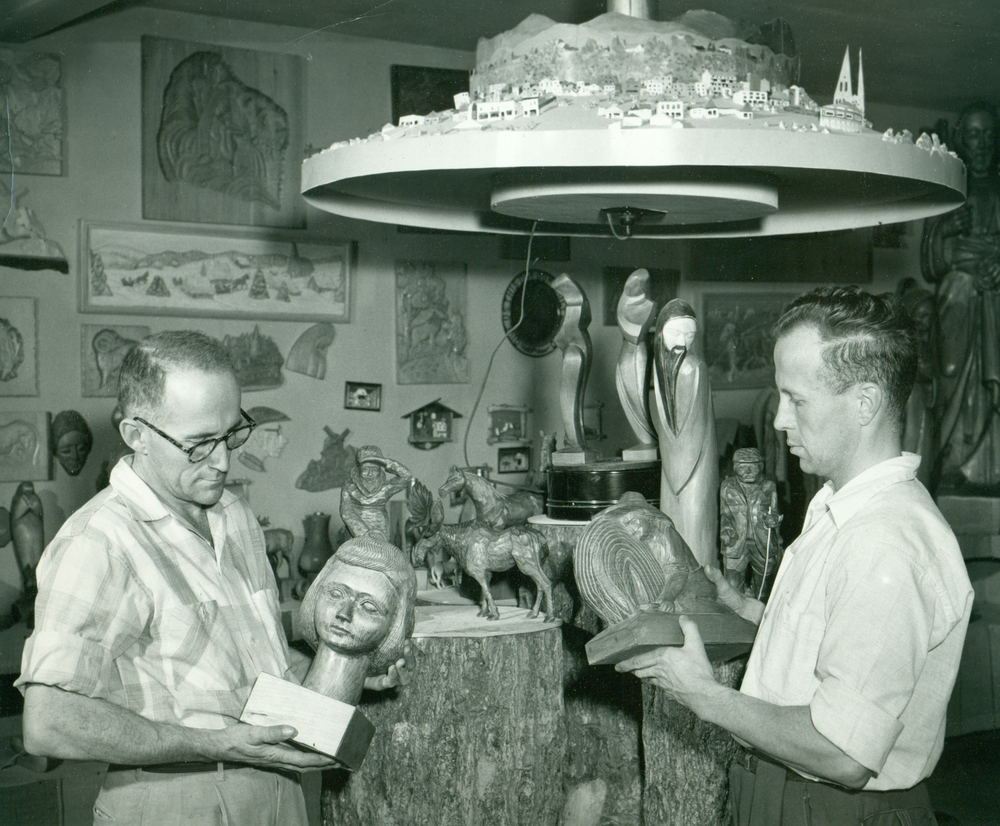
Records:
x=278, y=546
x=496, y=509
x=961, y=254
x=357, y=614
x=636, y=312
x=482, y=550
x=748, y=523
x=71, y=440
x=685, y=424
x=365, y=494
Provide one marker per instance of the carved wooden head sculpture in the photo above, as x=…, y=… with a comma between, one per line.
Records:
x=361, y=603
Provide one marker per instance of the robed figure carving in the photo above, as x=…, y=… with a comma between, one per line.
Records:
x=961, y=254
x=636, y=312
x=685, y=423
x=573, y=340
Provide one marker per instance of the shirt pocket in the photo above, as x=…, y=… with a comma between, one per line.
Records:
x=792, y=639
x=268, y=610
x=195, y=648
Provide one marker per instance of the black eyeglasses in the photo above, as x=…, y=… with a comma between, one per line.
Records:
x=234, y=438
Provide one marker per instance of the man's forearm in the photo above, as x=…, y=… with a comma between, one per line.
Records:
x=785, y=733
x=69, y=726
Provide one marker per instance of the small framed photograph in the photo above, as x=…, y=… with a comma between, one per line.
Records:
x=360, y=396
x=514, y=459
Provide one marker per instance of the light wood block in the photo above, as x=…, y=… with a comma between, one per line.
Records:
x=323, y=724
x=725, y=636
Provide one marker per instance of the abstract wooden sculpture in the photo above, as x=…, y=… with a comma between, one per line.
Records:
x=636, y=313
x=574, y=341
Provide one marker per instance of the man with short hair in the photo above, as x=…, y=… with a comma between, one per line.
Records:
x=157, y=610
x=844, y=699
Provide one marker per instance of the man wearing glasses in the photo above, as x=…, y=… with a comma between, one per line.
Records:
x=157, y=610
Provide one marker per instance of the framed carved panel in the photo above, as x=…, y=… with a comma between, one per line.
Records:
x=19, y=347
x=25, y=452
x=736, y=334
x=221, y=134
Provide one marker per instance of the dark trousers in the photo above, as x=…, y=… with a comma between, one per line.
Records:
x=763, y=793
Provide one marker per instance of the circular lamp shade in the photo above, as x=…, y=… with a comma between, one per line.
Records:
x=718, y=178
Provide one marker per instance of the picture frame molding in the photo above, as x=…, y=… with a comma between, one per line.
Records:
x=225, y=238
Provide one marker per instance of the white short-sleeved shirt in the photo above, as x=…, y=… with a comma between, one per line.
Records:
x=866, y=622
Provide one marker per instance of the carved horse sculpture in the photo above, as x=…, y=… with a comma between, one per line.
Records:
x=492, y=507
x=481, y=550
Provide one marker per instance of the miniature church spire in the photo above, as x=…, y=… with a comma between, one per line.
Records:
x=845, y=88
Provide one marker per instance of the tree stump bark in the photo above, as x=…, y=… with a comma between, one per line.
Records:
x=476, y=737
x=687, y=760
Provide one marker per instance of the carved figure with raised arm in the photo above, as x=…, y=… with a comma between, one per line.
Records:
x=364, y=498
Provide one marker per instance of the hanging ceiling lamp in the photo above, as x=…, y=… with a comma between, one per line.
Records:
x=603, y=161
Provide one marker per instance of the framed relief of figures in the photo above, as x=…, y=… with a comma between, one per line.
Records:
x=25, y=452
x=221, y=134
x=102, y=348
x=431, y=335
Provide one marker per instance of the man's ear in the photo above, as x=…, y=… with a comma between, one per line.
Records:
x=133, y=435
x=870, y=401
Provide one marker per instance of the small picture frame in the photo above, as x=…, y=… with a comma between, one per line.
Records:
x=508, y=423
x=362, y=396
x=514, y=459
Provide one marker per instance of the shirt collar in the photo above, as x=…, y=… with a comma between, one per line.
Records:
x=142, y=502
x=847, y=501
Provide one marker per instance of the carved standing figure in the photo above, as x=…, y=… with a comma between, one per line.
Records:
x=636, y=313
x=364, y=496
x=920, y=426
x=357, y=614
x=685, y=424
x=961, y=254
x=748, y=523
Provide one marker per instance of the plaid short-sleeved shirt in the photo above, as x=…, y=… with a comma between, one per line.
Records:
x=135, y=608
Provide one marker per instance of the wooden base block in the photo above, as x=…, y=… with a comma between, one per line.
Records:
x=725, y=636
x=325, y=725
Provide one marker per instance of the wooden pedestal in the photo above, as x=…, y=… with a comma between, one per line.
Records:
x=476, y=737
x=323, y=724
x=687, y=760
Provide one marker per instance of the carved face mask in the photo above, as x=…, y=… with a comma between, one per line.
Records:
x=72, y=451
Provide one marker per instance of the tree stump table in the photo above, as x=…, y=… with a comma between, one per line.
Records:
x=687, y=760
x=476, y=737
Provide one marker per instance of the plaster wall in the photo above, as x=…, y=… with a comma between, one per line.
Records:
x=347, y=94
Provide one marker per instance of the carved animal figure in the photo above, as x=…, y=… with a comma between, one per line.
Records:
x=482, y=550
x=442, y=568
x=492, y=507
